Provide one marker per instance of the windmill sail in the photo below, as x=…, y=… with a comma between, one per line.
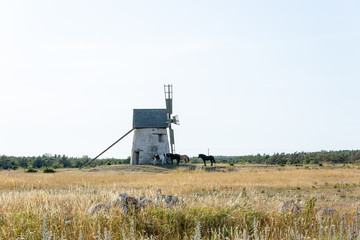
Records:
x=168, y=100
x=168, y=106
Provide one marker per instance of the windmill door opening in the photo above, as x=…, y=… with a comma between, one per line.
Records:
x=136, y=157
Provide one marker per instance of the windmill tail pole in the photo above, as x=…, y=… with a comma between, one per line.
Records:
x=106, y=149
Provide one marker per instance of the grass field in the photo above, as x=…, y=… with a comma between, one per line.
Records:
x=222, y=202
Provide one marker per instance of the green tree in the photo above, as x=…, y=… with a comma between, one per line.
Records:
x=4, y=162
x=38, y=162
x=65, y=161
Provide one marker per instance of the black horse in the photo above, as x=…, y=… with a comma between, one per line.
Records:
x=174, y=156
x=204, y=158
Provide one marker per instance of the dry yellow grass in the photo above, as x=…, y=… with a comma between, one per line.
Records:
x=67, y=194
x=247, y=177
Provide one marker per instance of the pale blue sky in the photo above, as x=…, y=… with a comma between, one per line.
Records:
x=249, y=76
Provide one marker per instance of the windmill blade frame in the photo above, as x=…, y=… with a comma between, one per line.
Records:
x=168, y=90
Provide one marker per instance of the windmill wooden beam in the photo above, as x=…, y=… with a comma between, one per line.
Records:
x=168, y=90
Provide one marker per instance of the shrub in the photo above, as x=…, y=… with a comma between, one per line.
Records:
x=31, y=170
x=48, y=170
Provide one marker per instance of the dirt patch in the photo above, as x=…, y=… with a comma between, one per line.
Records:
x=160, y=169
x=131, y=168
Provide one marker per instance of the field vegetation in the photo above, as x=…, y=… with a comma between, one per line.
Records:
x=222, y=202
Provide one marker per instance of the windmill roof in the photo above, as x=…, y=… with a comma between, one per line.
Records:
x=148, y=118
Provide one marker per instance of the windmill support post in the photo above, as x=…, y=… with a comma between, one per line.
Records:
x=106, y=149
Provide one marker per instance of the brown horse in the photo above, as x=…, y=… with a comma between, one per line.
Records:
x=185, y=158
x=178, y=157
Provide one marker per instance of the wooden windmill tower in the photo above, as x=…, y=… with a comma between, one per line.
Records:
x=150, y=136
x=150, y=132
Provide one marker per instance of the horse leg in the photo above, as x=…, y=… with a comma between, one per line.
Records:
x=211, y=162
x=204, y=163
x=178, y=162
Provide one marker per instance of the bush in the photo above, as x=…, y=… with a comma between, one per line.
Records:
x=48, y=170
x=31, y=170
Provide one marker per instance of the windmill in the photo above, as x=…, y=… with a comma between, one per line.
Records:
x=168, y=90
x=150, y=135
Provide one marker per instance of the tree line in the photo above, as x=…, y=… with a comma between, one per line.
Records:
x=55, y=161
x=62, y=161
x=333, y=157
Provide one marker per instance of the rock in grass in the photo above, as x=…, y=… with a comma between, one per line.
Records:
x=124, y=202
x=116, y=202
x=96, y=208
x=145, y=202
x=108, y=205
x=169, y=200
x=325, y=213
x=129, y=203
x=289, y=207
